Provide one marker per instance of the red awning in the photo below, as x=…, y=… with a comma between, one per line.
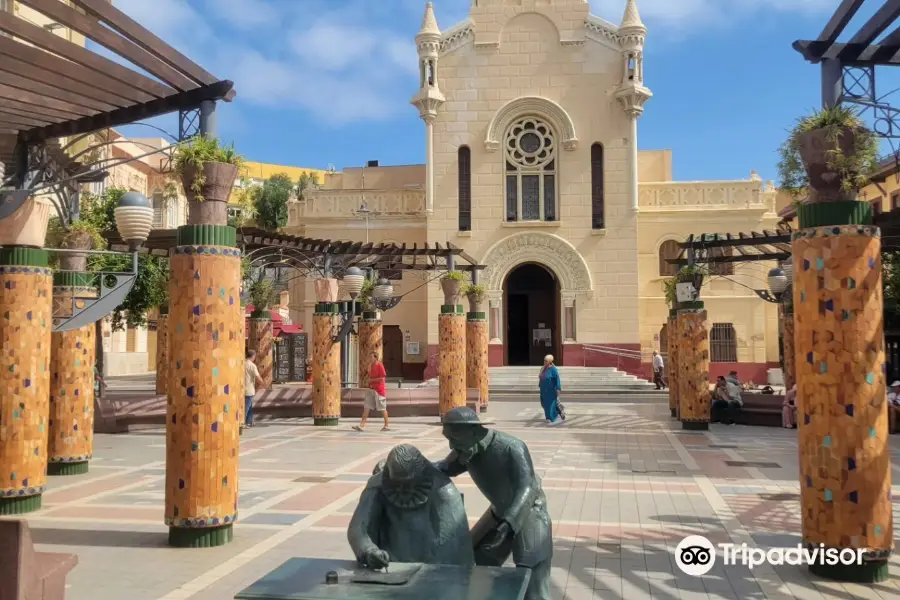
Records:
x=278, y=326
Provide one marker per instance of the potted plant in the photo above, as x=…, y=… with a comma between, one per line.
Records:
x=262, y=296
x=828, y=156
x=208, y=172
x=671, y=291
x=27, y=225
x=475, y=293
x=451, y=285
x=692, y=274
x=364, y=304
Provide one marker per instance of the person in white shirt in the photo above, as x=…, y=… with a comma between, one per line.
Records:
x=251, y=380
x=658, y=367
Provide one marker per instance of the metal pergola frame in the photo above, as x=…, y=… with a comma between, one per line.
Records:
x=318, y=257
x=51, y=87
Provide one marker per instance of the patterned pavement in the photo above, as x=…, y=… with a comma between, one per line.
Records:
x=624, y=486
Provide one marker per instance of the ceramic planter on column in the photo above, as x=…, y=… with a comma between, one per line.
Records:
x=25, y=325
x=371, y=342
x=326, y=365
x=72, y=358
x=206, y=379
x=218, y=182
x=842, y=413
x=452, y=362
x=477, y=354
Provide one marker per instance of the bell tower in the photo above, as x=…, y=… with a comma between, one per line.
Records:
x=429, y=98
x=632, y=94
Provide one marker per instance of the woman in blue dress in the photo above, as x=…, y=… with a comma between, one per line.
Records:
x=550, y=389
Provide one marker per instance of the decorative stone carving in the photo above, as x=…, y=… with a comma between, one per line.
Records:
x=457, y=37
x=667, y=195
x=544, y=248
x=534, y=105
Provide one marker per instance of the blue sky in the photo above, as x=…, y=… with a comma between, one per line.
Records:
x=324, y=82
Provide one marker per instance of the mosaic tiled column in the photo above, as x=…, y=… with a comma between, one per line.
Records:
x=371, y=332
x=72, y=358
x=788, y=349
x=845, y=457
x=260, y=339
x=25, y=326
x=672, y=356
x=162, y=352
x=477, y=356
x=452, y=362
x=693, y=367
x=326, y=366
x=206, y=374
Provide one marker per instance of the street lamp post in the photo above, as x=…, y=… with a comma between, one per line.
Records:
x=354, y=279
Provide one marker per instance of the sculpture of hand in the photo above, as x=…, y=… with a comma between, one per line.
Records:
x=376, y=559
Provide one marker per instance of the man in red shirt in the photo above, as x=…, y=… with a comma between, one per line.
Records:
x=378, y=400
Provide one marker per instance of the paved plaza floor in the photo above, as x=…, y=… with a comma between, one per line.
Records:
x=623, y=482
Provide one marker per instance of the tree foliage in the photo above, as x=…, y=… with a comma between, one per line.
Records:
x=270, y=201
x=306, y=182
x=891, y=287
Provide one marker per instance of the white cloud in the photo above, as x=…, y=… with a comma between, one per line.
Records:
x=682, y=14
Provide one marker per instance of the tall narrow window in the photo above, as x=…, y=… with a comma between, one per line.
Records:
x=465, y=188
x=597, y=221
x=530, y=171
x=669, y=250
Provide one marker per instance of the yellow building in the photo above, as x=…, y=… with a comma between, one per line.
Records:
x=531, y=122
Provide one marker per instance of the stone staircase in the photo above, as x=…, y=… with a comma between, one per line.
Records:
x=575, y=381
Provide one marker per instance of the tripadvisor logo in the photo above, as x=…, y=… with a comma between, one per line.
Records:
x=695, y=555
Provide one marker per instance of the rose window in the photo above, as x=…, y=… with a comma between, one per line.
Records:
x=530, y=171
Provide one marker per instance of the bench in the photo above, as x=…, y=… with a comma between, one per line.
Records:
x=763, y=410
x=26, y=574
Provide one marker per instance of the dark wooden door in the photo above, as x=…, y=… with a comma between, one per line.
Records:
x=393, y=350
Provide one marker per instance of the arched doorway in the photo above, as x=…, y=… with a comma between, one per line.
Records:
x=531, y=300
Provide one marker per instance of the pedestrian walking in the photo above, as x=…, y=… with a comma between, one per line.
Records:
x=658, y=368
x=550, y=386
x=251, y=381
x=787, y=408
x=378, y=400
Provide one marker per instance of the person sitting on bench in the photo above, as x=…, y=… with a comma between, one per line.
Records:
x=730, y=401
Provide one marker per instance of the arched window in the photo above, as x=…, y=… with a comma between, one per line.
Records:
x=597, y=200
x=669, y=250
x=464, y=158
x=530, y=152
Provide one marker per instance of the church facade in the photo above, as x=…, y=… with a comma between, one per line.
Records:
x=530, y=113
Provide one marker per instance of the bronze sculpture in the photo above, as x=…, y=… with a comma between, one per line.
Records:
x=410, y=512
x=517, y=522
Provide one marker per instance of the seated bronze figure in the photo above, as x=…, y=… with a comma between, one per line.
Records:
x=410, y=512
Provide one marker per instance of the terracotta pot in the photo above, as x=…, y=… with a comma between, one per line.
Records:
x=27, y=226
x=451, y=289
x=825, y=183
x=216, y=190
x=75, y=240
x=476, y=303
x=326, y=290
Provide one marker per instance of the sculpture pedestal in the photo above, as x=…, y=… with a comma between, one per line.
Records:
x=371, y=341
x=305, y=579
x=72, y=356
x=452, y=363
x=693, y=368
x=206, y=386
x=477, y=356
x=260, y=339
x=326, y=366
x=842, y=413
x=25, y=326
x=671, y=369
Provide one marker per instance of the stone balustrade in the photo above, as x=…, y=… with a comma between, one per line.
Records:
x=689, y=195
x=345, y=203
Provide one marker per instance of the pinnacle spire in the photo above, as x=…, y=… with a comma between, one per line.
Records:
x=632, y=18
x=429, y=22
